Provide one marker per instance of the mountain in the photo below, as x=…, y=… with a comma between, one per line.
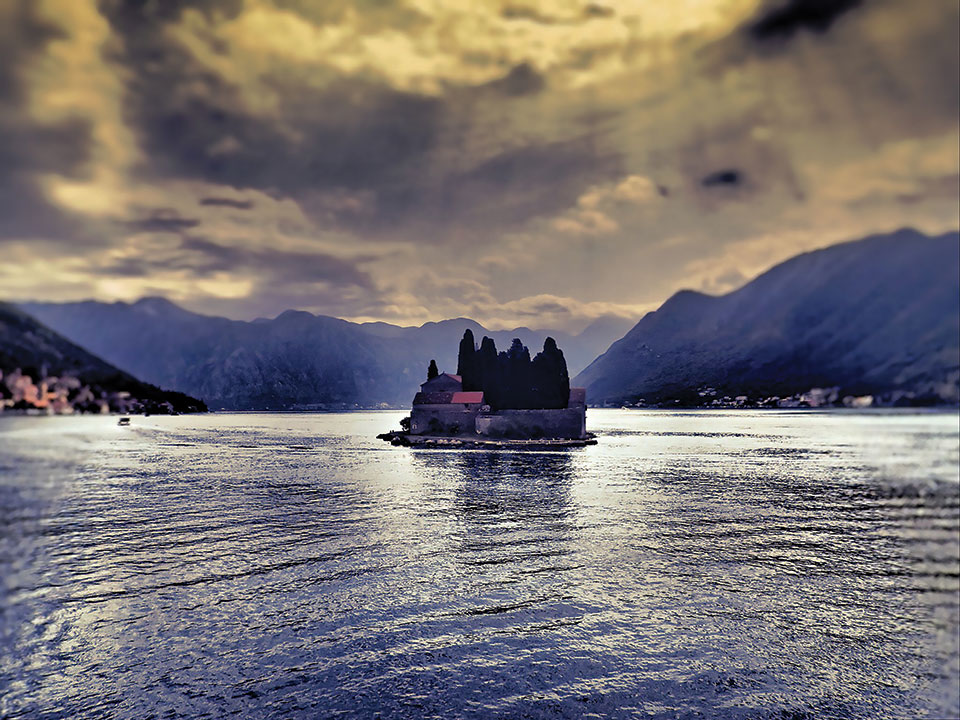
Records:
x=294, y=360
x=878, y=316
x=273, y=364
x=40, y=353
x=443, y=338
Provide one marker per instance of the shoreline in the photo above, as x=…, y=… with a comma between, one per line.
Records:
x=444, y=442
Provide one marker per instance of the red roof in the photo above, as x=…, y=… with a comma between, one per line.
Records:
x=455, y=377
x=447, y=398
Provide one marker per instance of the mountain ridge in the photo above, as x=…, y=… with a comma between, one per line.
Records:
x=295, y=360
x=870, y=316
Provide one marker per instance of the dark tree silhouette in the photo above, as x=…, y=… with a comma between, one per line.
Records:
x=562, y=376
x=487, y=371
x=511, y=381
x=467, y=362
x=551, y=381
x=516, y=377
x=432, y=371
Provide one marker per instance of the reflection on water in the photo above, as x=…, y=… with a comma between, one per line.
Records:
x=733, y=565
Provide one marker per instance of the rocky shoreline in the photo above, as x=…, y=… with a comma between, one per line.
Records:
x=459, y=442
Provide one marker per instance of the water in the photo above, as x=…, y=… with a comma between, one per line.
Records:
x=718, y=565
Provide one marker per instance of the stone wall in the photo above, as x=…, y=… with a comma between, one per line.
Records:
x=444, y=418
x=564, y=423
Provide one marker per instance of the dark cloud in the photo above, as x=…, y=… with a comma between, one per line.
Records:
x=523, y=79
x=354, y=133
x=727, y=177
x=23, y=33
x=371, y=15
x=785, y=19
x=529, y=181
x=227, y=202
x=26, y=147
x=349, y=135
x=521, y=12
x=367, y=138
x=295, y=267
x=26, y=150
x=144, y=17
x=593, y=10
x=203, y=257
x=126, y=268
x=550, y=307
x=163, y=220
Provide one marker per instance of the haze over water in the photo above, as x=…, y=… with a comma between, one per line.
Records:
x=713, y=564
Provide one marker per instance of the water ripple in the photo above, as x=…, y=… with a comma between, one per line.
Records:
x=725, y=565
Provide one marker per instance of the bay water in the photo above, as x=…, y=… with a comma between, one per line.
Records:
x=722, y=564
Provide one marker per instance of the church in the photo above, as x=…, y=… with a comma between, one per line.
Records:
x=443, y=407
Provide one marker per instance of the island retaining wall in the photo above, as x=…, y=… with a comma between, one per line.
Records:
x=560, y=423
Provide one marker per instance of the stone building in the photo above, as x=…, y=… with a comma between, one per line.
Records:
x=443, y=408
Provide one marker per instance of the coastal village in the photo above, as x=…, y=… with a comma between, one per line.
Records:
x=814, y=398
x=67, y=395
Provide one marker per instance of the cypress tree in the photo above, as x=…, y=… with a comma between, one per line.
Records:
x=510, y=380
x=503, y=387
x=540, y=373
x=551, y=381
x=467, y=362
x=559, y=379
x=487, y=374
x=515, y=364
x=432, y=370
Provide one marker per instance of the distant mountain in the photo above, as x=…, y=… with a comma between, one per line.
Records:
x=294, y=360
x=442, y=338
x=39, y=352
x=878, y=316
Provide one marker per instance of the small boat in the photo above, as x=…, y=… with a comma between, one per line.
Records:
x=123, y=421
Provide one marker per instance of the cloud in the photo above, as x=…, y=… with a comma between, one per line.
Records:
x=518, y=185
x=206, y=275
x=29, y=149
x=604, y=208
x=227, y=202
x=551, y=311
x=416, y=160
x=786, y=18
x=287, y=266
x=722, y=177
x=904, y=171
x=163, y=220
x=325, y=136
x=723, y=282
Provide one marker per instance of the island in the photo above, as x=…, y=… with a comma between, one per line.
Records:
x=497, y=399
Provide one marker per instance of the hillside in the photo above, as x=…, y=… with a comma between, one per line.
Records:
x=878, y=316
x=296, y=360
x=33, y=352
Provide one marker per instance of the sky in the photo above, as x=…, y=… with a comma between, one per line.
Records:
x=519, y=162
